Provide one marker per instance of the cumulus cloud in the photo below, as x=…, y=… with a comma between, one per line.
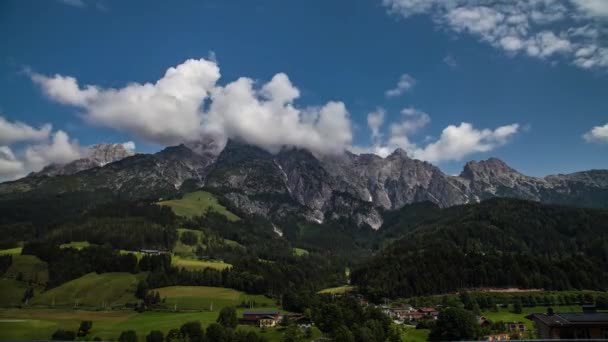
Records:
x=405, y=83
x=597, y=134
x=375, y=120
x=10, y=167
x=454, y=143
x=60, y=149
x=187, y=104
x=56, y=148
x=543, y=29
x=12, y=132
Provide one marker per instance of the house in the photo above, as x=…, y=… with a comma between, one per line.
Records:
x=261, y=318
x=299, y=319
x=569, y=325
x=515, y=327
x=429, y=312
x=399, y=312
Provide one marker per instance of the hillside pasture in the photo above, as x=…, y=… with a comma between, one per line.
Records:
x=28, y=268
x=92, y=291
x=198, y=203
x=39, y=324
x=208, y=298
x=194, y=264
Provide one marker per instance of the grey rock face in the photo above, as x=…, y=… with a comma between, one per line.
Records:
x=97, y=155
x=297, y=182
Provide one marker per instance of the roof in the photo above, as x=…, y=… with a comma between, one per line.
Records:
x=269, y=313
x=571, y=318
x=427, y=309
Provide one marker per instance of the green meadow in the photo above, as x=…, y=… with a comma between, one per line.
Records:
x=208, y=298
x=197, y=204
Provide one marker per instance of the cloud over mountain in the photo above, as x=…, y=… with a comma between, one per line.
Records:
x=597, y=134
x=545, y=29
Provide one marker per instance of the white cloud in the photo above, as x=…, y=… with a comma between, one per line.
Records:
x=12, y=132
x=456, y=142
x=129, y=146
x=169, y=110
x=450, y=61
x=59, y=150
x=543, y=29
x=10, y=167
x=597, y=134
x=596, y=8
x=405, y=83
x=374, y=122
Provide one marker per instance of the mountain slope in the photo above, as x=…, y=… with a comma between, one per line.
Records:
x=496, y=243
x=298, y=182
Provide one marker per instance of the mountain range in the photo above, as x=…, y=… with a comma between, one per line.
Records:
x=297, y=182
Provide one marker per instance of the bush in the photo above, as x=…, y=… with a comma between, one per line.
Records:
x=155, y=336
x=127, y=336
x=63, y=335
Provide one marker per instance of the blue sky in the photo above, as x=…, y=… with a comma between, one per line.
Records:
x=336, y=57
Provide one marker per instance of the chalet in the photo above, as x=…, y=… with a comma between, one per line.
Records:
x=429, y=312
x=261, y=318
x=580, y=325
x=515, y=327
x=399, y=312
x=299, y=319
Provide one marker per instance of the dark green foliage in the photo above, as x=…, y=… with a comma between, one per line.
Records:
x=216, y=332
x=142, y=289
x=293, y=334
x=155, y=336
x=192, y=331
x=5, y=262
x=29, y=294
x=63, y=335
x=127, y=336
x=499, y=242
x=227, y=317
x=85, y=327
x=68, y=263
x=174, y=335
x=517, y=306
x=189, y=238
x=455, y=324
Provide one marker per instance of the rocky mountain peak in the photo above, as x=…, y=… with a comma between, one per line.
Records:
x=489, y=168
x=96, y=156
x=108, y=153
x=398, y=153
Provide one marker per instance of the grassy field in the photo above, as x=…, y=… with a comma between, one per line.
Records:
x=338, y=290
x=11, y=251
x=76, y=245
x=11, y=292
x=29, y=268
x=37, y=324
x=193, y=264
x=92, y=290
x=208, y=298
x=505, y=314
x=184, y=250
x=299, y=251
x=197, y=204
x=415, y=335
